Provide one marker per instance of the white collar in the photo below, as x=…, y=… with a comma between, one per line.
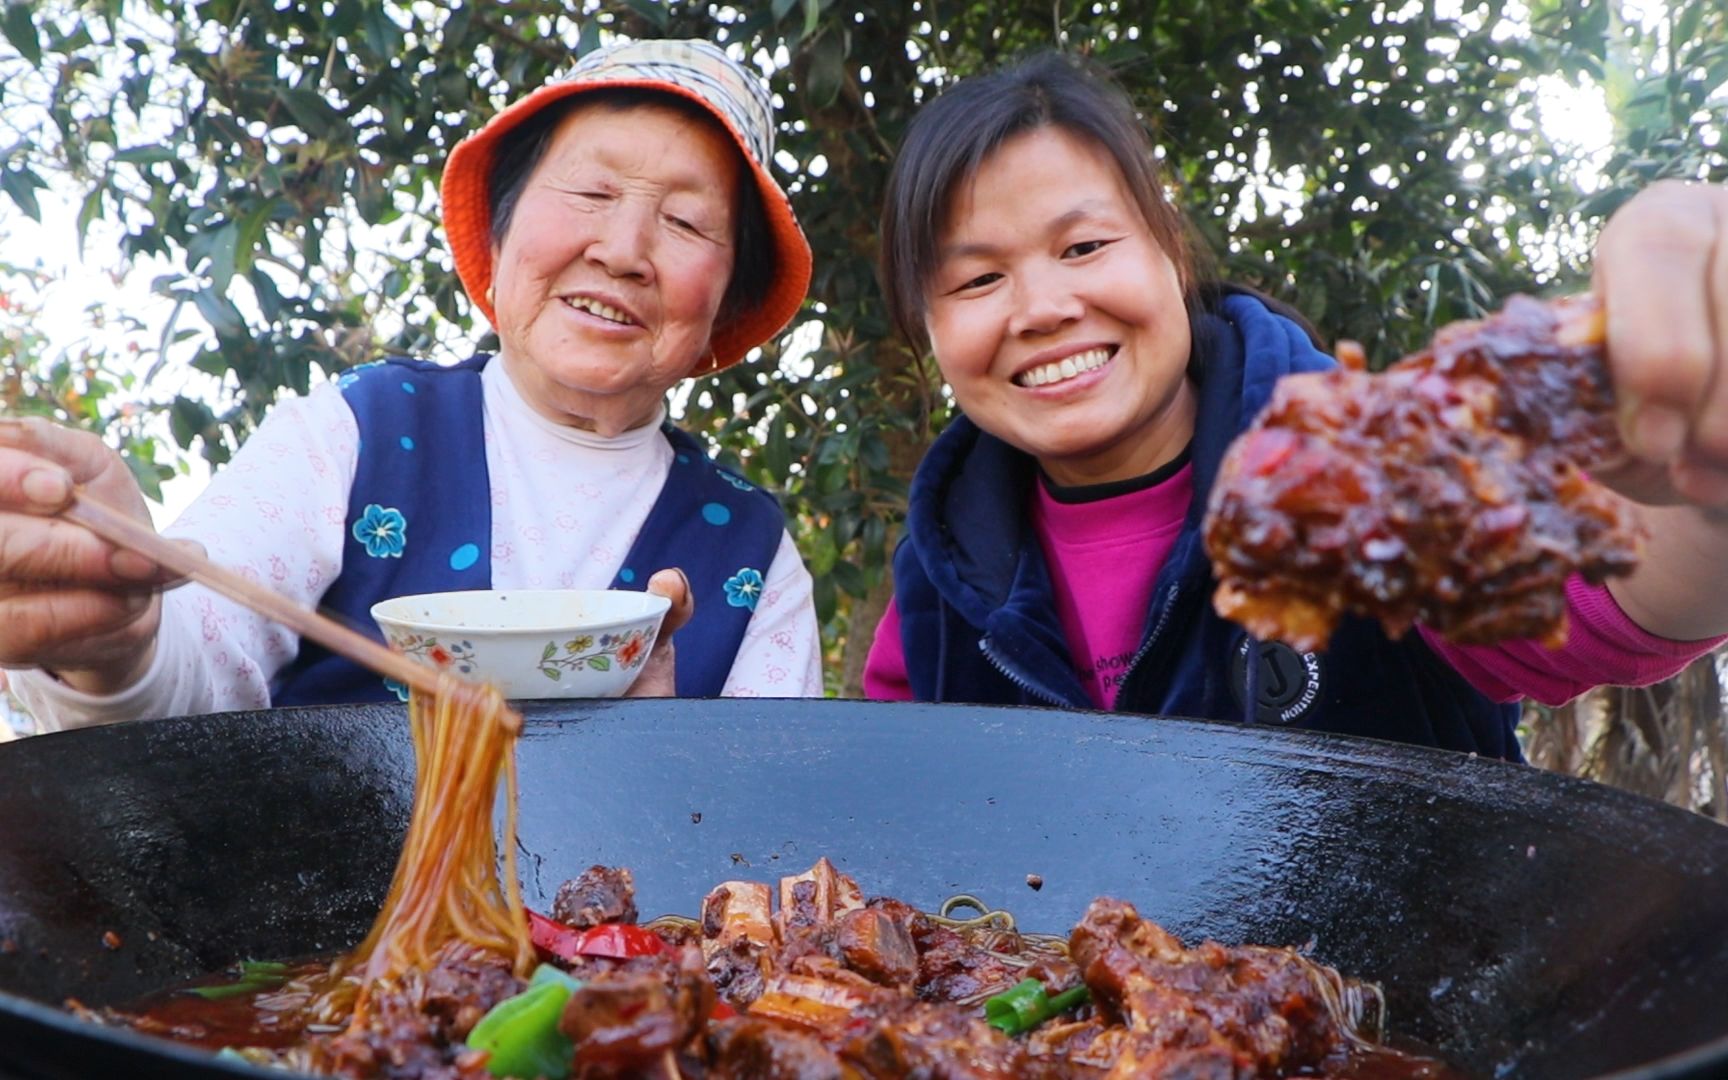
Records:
x=512, y=408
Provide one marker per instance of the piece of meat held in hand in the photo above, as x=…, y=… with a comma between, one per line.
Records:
x=1448, y=489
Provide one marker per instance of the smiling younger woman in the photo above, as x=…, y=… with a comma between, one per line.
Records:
x=1052, y=552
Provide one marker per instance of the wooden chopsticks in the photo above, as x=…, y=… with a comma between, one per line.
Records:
x=115, y=527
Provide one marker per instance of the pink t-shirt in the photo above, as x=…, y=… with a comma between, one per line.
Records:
x=1105, y=556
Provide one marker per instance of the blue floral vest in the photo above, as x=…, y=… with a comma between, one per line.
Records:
x=420, y=520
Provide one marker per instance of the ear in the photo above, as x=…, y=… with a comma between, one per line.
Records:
x=492, y=285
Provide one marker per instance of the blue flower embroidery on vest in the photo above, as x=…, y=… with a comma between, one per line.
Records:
x=383, y=530
x=399, y=689
x=744, y=588
x=737, y=482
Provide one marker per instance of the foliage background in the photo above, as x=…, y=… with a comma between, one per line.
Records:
x=1385, y=166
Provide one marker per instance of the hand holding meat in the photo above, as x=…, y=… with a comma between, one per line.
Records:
x=1662, y=273
x=1447, y=489
x=1452, y=488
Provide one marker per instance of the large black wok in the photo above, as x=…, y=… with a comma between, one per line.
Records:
x=1524, y=924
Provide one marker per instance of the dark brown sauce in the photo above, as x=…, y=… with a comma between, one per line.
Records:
x=269, y=1018
x=1408, y=1062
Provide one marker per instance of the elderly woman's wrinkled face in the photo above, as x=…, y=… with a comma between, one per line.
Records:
x=615, y=262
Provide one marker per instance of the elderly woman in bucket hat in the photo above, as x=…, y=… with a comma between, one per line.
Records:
x=620, y=230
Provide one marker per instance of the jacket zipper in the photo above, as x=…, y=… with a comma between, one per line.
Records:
x=1146, y=646
x=1016, y=678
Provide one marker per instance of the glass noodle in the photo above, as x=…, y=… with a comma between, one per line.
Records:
x=446, y=889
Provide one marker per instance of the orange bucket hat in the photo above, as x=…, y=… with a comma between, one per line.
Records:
x=694, y=70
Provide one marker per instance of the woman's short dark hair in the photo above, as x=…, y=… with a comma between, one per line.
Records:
x=520, y=150
x=950, y=138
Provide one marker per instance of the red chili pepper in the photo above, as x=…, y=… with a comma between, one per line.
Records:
x=619, y=941
x=616, y=941
x=552, y=937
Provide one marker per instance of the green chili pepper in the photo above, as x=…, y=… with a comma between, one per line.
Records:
x=234, y=989
x=1025, y=1006
x=255, y=975
x=520, y=1034
x=547, y=973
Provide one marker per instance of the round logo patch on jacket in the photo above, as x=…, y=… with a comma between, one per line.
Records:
x=1289, y=682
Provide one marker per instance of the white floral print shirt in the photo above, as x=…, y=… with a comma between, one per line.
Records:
x=566, y=507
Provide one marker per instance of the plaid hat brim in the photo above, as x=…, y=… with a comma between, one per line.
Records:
x=466, y=202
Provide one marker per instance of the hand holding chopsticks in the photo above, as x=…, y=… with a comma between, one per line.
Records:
x=70, y=603
x=123, y=531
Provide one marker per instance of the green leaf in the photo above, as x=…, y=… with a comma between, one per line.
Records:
x=211, y=362
x=826, y=599
x=551, y=648
x=827, y=71
x=222, y=247
x=310, y=111
x=20, y=30
x=550, y=673
x=146, y=155
x=188, y=419
x=588, y=38
x=251, y=233
x=600, y=663
x=652, y=10
x=812, y=12
x=89, y=211
x=781, y=8
x=266, y=292
x=219, y=312
x=1687, y=24
x=850, y=579
x=382, y=33
x=146, y=473
x=21, y=184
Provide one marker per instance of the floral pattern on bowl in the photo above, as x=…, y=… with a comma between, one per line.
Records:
x=629, y=649
x=427, y=649
x=530, y=643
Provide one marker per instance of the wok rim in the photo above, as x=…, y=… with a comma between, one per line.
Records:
x=1293, y=748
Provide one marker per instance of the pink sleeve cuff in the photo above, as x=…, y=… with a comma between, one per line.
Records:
x=1604, y=647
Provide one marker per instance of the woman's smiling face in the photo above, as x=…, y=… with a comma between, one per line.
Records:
x=1055, y=316
x=616, y=258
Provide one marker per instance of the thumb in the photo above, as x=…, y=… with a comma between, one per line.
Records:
x=674, y=586
x=129, y=565
x=193, y=550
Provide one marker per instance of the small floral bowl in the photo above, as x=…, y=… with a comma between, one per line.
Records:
x=530, y=643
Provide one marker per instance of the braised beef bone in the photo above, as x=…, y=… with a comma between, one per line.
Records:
x=1449, y=489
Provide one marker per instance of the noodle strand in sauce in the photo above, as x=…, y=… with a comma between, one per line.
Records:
x=446, y=888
